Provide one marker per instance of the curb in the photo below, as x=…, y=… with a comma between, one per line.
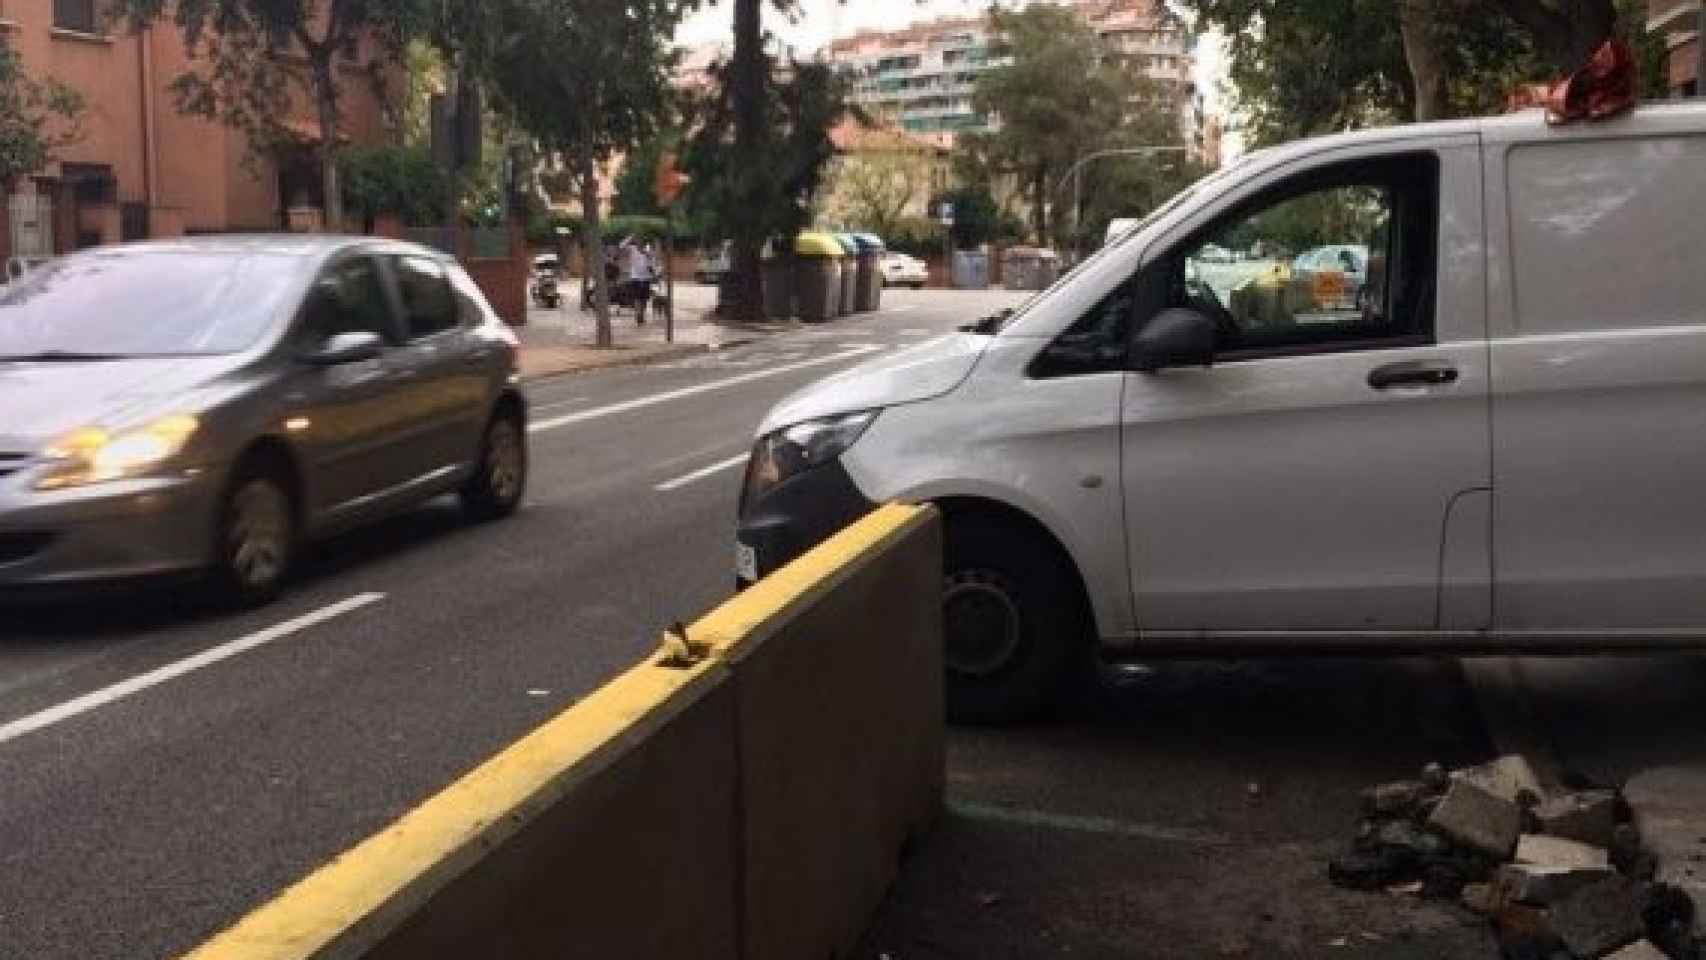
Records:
x=679, y=352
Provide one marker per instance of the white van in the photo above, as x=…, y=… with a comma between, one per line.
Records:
x=1499, y=444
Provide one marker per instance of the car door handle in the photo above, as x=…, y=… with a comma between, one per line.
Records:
x=1412, y=373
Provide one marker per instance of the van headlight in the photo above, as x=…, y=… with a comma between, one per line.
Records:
x=793, y=450
x=95, y=455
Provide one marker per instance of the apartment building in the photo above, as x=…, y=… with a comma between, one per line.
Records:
x=1678, y=21
x=922, y=76
x=142, y=169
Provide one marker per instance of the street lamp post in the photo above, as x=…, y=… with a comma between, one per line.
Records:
x=1077, y=175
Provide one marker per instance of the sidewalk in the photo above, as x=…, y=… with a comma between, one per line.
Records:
x=558, y=342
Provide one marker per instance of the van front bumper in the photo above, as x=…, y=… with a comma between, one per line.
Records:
x=104, y=532
x=793, y=517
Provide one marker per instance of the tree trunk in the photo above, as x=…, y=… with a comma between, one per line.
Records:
x=1416, y=19
x=746, y=91
x=1039, y=206
x=326, y=104
x=592, y=241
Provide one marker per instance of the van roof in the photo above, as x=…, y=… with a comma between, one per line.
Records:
x=1521, y=126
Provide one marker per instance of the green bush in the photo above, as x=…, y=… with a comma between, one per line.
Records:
x=917, y=236
x=542, y=229
x=393, y=180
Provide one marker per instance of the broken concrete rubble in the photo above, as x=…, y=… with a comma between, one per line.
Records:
x=1507, y=778
x=1589, y=816
x=1478, y=819
x=1599, y=918
x=1557, y=852
x=1639, y=950
x=1540, y=886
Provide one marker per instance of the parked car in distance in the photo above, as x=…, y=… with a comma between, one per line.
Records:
x=713, y=264
x=1165, y=455
x=209, y=405
x=902, y=270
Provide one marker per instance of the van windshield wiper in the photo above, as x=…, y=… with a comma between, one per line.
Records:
x=59, y=356
x=990, y=325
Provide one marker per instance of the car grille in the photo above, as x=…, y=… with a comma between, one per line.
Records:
x=11, y=463
x=16, y=547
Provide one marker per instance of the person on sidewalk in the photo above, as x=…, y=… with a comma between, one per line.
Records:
x=639, y=280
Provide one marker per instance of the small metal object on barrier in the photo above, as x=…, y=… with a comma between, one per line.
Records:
x=679, y=652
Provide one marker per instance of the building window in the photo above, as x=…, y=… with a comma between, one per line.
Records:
x=78, y=15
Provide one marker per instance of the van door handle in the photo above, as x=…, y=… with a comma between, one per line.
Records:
x=1412, y=373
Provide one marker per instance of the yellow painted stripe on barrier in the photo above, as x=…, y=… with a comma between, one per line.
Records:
x=368, y=891
x=817, y=572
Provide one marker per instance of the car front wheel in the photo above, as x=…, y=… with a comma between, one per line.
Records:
x=500, y=479
x=1014, y=628
x=256, y=534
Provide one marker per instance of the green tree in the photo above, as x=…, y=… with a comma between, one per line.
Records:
x=1310, y=66
x=249, y=55
x=636, y=185
x=398, y=180
x=872, y=190
x=587, y=79
x=1059, y=99
x=38, y=118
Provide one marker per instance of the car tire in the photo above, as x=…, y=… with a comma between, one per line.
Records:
x=256, y=533
x=1015, y=632
x=500, y=477
x=918, y=285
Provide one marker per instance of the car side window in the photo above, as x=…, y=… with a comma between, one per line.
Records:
x=429, y=306
x=1343, y=260
x=348, y=298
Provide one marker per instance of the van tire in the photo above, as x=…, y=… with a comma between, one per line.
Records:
x=1014, y=626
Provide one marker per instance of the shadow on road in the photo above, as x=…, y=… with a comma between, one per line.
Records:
x=125, y=610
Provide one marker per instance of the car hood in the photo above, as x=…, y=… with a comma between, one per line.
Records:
x=927, y=370
x=39, y=402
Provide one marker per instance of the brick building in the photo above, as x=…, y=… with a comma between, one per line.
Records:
x=1678, y=21
x=142, y=169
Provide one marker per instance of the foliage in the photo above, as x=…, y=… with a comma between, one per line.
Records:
x=542, y=228
x=248, y=56
x=873, y=190
x=1301, y=67
x=918, y=236
x=1059, y=99
x=977, y=218
x=636, y=185
x=395, y=180
x=38, y=118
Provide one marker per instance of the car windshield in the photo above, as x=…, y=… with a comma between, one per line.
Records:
x=144, y=304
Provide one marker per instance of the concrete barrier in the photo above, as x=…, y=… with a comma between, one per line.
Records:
x=753, y=804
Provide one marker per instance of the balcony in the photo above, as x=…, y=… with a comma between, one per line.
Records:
x=1673, y=16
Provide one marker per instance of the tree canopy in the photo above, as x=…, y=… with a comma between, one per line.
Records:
x=38, y=118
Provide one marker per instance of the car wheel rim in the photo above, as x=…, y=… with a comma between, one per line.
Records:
x=504, y=463
x=260, y=533
x=981, y=624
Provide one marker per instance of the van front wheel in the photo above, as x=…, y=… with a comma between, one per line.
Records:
x=1013, y=622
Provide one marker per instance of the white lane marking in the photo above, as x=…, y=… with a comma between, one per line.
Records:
x=916, y=332
x=171, y=671
x=904, y=309
x=559, y=404
x=700, y=474
x=597, y=412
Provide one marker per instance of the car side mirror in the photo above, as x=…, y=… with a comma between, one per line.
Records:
x=1177, y=337
x=352, y=347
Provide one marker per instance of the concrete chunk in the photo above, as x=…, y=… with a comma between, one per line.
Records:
x=1559, y=853
x=1395, y=799
x=1589, y=816
x=1599, y=918
x=1477, y=819
x=1542, y=886
x=1507, y=778
x=1639, y=950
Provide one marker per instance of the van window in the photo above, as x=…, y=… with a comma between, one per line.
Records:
x=428, y=303
x=1606, y=234
x=1338, y=260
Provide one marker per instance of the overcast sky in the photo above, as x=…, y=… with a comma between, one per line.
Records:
x=824, y=20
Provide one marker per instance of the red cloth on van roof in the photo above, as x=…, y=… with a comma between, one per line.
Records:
x=1603, y=88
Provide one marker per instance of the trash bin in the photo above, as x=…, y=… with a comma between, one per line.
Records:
x=779, y=281
x=1028, y=268
x=849, y=272
x=971, y=270
x=817, y=276
x=870, y=272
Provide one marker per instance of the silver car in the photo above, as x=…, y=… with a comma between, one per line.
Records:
x=208, y=405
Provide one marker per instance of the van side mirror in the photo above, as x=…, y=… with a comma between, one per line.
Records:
x=1176, y=337
x=352, y=347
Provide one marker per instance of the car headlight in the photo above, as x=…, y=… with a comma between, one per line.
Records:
x=95, y=455
x=793, y=450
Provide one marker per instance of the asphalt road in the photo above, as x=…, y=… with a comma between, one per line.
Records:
x=134, y=826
